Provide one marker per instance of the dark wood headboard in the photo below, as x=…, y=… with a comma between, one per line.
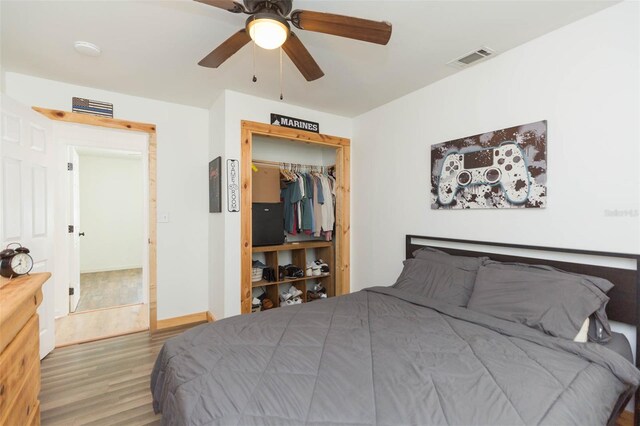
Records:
x=625, y=302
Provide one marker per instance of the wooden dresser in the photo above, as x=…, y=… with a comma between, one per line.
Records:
x=20, y=350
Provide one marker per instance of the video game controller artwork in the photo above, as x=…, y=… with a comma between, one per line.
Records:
x=502, y=169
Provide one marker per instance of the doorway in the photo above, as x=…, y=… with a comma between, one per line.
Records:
x=108, y=210
x=106, y=194
x=342, y=147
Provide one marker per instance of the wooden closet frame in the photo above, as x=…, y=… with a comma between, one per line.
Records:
x=150, y=129
x=343, y=202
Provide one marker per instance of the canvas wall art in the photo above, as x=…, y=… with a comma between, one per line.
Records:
x=501, y=169
x=215, y=202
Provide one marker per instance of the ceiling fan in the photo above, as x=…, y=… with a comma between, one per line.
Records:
x=268, y=26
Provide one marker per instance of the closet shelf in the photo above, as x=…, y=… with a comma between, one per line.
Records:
x=293, y=246
x=263, y=283
x=299, y=252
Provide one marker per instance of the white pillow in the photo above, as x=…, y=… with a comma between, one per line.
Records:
x=582, y=334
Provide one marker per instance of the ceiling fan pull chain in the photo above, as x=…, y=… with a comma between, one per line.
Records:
x=254, y=79
x=281, y=97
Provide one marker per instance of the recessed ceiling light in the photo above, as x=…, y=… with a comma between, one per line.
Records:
x=86, y=48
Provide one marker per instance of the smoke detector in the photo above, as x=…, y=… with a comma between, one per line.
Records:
x=86, y=48
x=472, y=57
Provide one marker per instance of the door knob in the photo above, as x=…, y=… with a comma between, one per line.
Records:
x=81, y=234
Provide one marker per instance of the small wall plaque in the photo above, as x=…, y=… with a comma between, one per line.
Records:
x=233, y=185
x=294, y=123
x=215, y=198
x=88, y=106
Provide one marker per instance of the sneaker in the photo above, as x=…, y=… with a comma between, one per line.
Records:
x=311, y=296
x=285, y=296
x=318, y=288
x=297, y=301
x=316, y=270
x=294, y=292
x=324, y=268
x=292, y=271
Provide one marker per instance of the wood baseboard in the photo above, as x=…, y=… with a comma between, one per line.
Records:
x=182, y=321
x=210, y=317
x=625, y=419
x=106, y=336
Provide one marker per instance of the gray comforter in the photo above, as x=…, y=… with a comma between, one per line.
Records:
x=383, y=356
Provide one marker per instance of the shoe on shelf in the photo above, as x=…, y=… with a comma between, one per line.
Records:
x=318, y=288
x=285, y=296
x=324, y=268
x=293, y=301
x=267, y=304
x=311, y=295
x=292, y=271
x=295, y=292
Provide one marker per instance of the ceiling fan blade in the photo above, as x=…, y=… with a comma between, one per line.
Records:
x=343, y=26
x=226, y=50
x=228, y=5
x=301, y=57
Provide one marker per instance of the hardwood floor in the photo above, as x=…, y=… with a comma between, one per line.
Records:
x=101, y=383
x=100, y=324
x=110, y=288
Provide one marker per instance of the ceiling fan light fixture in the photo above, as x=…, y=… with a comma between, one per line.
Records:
x=268, y=30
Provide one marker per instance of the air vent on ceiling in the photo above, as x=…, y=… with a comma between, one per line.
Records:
x=473, y=57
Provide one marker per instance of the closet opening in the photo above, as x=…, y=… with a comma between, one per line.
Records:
x=295, y=216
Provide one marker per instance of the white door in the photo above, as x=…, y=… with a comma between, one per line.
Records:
x=27, y=160
x=74, y=232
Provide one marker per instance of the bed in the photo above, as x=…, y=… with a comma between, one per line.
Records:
x=389, y=356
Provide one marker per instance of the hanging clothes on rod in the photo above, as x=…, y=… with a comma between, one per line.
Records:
x=308, y=194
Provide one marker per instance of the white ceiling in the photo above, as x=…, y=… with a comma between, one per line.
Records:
x=151, y=48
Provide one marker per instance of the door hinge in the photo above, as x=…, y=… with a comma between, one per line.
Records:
x=70, y=229
x=71, y=291
x=69, y=166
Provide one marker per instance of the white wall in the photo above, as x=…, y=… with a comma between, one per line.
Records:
x=582, y=78
x=217, y=256
x=238, y=107
x=281, y=150
x=183, y=135
x=111, y=212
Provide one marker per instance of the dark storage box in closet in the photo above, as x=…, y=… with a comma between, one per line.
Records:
x=267, y=224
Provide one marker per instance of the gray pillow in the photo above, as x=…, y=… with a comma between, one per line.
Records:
x=463, y=262
x=437, y=280
x=599, y=327
x=555, y=303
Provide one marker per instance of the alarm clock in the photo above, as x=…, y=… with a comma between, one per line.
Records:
x=15, y=262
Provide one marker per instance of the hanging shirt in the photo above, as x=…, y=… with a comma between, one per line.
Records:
x=310, y=196
x=317, y=207
x=300, y=201
x=328, y=217
x=291, y=195
x=307, y=207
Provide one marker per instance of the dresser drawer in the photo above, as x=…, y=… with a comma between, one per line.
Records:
x=20, y=375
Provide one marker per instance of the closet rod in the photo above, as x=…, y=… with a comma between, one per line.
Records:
x=283, y=163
